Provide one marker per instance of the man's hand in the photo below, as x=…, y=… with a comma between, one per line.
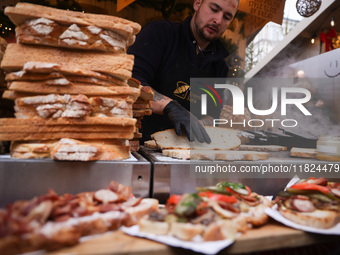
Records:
x=181, y=118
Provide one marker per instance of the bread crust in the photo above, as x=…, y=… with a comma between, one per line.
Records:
x=226, y=155
x=151, y=144
x=262, y=148
x=153, y=227
x=70, y=149
x=17, y=55
x=318, y=219
x=114, y=121
x=27, y=136
x=221, y=139
x=180, y=154
x=40, y=71
x=303, y=152
x=94, y=90
x=81, y=151
x=185, y=231
x=222, y=229
x=66, y=128
x=23, y=11
x=42, y=31
x=12, y=95
x=102, y=80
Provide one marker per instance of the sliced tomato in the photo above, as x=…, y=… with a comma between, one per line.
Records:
x=173, y=200
x=218, y=197
x=310, y=186
x=249, y=190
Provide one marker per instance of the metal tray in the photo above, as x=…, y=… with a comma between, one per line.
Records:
x=24, y=179
x=172, y=176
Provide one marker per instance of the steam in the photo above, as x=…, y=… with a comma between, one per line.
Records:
x=323, y=106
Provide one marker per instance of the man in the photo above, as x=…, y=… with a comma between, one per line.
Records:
x=168, y=54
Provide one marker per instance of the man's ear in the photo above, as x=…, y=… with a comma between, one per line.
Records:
x=197, y=4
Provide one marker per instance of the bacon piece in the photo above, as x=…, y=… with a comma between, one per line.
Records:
x=62, y=218
x=86, y=196
x=61, y=210
x=106, y=196
x=82, y=211
x=113, y=186
x=103, y=208
x=41, y=212
x=124, y=192
x=26, y=207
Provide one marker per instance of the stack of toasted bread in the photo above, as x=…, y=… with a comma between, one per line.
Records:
x=141, y=107
x=6, y=106
x=68, y=75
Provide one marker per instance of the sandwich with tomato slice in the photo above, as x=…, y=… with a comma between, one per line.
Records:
x=313, y=202
x=214, y=212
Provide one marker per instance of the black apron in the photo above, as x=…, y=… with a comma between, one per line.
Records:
x=176, y=85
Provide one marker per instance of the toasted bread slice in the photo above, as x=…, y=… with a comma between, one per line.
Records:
x=317, y=219
x=17, y=55
x=25, y=11
x=221, y=139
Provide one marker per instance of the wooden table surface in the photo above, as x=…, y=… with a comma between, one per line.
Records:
x=271, y=236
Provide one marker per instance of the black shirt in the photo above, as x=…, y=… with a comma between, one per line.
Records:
x=166, y=59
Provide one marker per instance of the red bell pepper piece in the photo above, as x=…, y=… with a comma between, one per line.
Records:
x=218, y=197
x=173, y=200
x=310, y=186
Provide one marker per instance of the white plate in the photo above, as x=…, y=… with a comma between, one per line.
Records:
x=197, y=244
x=275, y=214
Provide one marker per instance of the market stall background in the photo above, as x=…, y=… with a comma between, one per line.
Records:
x=140, y=172
x=294, y=48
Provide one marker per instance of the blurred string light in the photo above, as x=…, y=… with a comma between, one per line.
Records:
x=313, y=39
x=236, y=69
x=332, y=22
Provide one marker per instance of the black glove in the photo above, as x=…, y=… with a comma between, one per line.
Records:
x=181, y=118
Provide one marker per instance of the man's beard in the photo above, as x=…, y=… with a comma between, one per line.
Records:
x=205, y=35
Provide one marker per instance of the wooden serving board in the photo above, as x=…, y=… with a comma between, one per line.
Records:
x=271, y=236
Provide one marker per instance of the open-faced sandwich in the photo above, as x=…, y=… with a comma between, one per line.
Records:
x=215, y=213
x=52, y=221
x=313, y=202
